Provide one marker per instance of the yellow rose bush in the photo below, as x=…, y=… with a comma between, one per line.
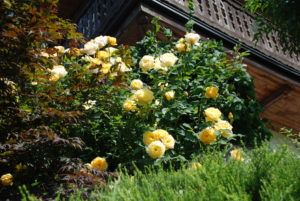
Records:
x=195, y=89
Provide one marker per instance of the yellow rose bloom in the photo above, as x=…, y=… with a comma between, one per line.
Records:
x=95, y=61
x=7, y=179
x=157, y=65
x=170, y=95
x=133, y=97
x=90, y=47
x=192, y=38
x=168, y=60
x=149, y=137
x=54, y=78
x=168, y=141
x=102, y=54
x=129, y=105
x=161, y=133
x=59, y=70
x=105, y=68
x=144, y=96
x=181, y=46
x=156, y=149
x=196, y=166
x=147, y=63
x=111, y=40
x=222, y=124
x=212, y=114
x=207, y=136
x=44, y=54
x=136, y=84
x=236, y=154
x=99, y=163
x=60, y=49
x=212, y=92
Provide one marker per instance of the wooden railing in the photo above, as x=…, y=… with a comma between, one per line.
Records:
x=229, y=17
x=225, y=15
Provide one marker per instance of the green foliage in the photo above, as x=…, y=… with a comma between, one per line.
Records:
x=281, y=16
x=264, y=175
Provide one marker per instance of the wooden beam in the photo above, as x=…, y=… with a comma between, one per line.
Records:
x=276, y=96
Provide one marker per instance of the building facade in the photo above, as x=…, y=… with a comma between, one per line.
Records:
x=276, y=74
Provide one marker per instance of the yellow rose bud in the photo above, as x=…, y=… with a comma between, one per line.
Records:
x=212, y=92
x=75, y=51
x=212, y=114
x=170, y=95
x=129, y=105
x=111, y=50
x=7, y=179
x=230, y=116
x=105, y=68
x=136, y=84
x=20, y=167
x=102, y=54
x=207, y=136
x=99, y=163
x=156, y=149
x=236, y=154
x=111, y=40
x=181, y=47
x=88, y=165
x=144, y=96
x=196, y=166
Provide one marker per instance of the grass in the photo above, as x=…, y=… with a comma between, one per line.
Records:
x=264, y=175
